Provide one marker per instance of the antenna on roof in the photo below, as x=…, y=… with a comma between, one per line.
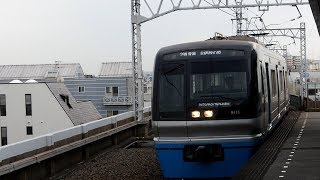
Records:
x=56, y=69
x=56, y=65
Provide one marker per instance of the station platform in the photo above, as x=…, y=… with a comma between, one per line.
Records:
x=299, y=157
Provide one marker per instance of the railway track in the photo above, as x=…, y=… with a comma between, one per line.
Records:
x=260, y=162
x=135, y=160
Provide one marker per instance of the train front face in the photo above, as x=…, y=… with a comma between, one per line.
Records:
x=206, y=111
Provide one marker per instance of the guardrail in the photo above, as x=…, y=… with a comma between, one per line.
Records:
x=26, y=153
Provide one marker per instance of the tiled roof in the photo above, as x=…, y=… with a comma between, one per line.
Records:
x=116, y=69
x=78, y=112
x=40, y=71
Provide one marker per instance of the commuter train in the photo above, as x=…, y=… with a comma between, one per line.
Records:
x=213, y=103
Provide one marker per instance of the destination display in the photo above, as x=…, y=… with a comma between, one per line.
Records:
x=203, y=54
x=215, y=104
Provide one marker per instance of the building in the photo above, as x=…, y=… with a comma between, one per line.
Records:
x=111, y=92
x=33, y=109
x=294, y=63
x=314, y=65
x=41, y=72
x=147, y=88
x=147, y=76
x=294, y=83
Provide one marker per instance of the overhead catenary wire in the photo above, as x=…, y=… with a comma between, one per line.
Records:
x=219, y=8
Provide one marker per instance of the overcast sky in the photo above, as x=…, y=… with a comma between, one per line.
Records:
x=94, y=31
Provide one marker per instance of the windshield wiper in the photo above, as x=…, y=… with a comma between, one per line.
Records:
x=171, y=70
x=172, y=84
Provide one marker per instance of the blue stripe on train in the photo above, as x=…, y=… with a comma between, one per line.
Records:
x=236, y=154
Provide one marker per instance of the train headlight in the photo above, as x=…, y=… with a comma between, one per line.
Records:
x=208, y=113
x=195, y=114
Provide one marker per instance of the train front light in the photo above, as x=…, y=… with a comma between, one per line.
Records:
x=208, y=113
x=195, y=114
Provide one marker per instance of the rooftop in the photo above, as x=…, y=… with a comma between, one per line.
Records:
x=78, y=112
x=116, y=69
x=40, y=71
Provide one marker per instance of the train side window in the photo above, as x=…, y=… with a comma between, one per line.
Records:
x=285, y=79
x=281, y=82
x=262, y=82
x=274, y=83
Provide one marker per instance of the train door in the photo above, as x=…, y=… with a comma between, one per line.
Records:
x=268, y=93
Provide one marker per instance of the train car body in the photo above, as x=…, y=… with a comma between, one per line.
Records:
x=213, y=102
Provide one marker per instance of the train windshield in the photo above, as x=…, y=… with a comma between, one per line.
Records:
x=172, y=90
x=224, y=79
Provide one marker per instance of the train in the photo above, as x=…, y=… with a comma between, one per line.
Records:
x=213, y=103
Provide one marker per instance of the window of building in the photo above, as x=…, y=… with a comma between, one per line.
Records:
x=4, y=136
x=108, y=90
x=112, y=113
x=52, y=74
x=274, y=83
x=81, y=89
x=109, y=113
x=112, y=91
x=115, y=112
x=3, y=109
x=28, y=105
x=311, y=92
x=29, y=130
x=65, y=98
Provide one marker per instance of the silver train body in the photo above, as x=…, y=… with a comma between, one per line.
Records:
x=271, y=98
x=213, y=101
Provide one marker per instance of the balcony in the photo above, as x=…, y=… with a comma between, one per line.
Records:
x=117, y=100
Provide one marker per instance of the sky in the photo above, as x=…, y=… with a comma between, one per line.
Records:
x=90, y=32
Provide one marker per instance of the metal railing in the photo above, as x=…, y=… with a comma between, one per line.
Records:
x=312, y=101
x=117, y=100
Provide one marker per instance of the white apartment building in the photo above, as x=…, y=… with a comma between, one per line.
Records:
x=29, y=110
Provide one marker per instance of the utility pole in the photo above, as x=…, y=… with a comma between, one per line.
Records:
x=303, y=68
x=239, y=18
x=136, y=61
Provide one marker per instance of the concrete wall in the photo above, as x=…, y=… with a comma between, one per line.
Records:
x=95, y=91
x=47, y=114
x=40, y=157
